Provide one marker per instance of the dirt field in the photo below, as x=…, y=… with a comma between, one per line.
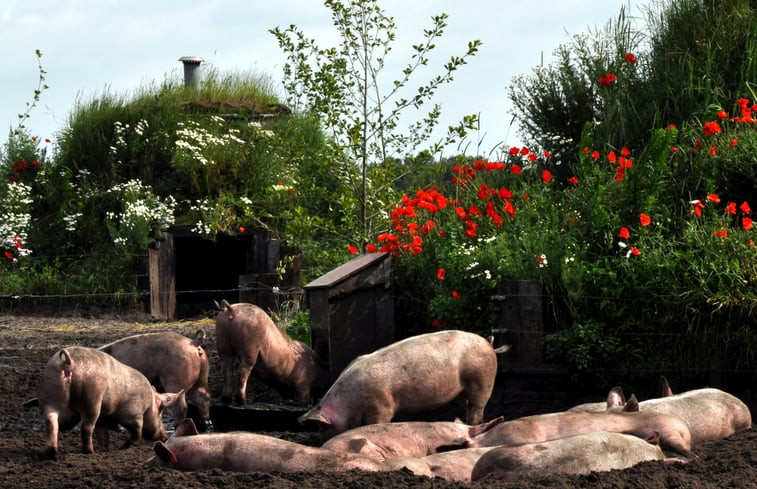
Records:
x=28, y=342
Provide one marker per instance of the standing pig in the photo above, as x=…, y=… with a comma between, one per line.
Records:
x=417, y=374
x=673, y=434
x=408, y=439
x=85, y=383
x=171, y=362
x=249, y=452
x=245, y=332
x=579, y=454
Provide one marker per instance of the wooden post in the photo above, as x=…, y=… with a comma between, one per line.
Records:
x=163, y=278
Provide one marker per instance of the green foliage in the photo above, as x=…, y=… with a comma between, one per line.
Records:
x=340, y=85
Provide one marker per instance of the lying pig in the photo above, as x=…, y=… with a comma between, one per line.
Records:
x=249, y=452
x=85, y=383
x=407, y=439
x=579, y=454
x=673, y=433
x=417, y=374
x=171, y=362
x=710, y=414
x=455, y=466
x=244, y=332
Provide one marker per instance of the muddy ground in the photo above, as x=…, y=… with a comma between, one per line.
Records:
x=27, y=342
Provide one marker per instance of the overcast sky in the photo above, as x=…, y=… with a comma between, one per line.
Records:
x=89, y=46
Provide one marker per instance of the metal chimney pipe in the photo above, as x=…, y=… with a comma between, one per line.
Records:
x=191, y=70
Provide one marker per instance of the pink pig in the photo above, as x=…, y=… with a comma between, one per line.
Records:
x=414, y=375
x=87, y=384
x=244, y=332
x=249, y=452
x=171, y=362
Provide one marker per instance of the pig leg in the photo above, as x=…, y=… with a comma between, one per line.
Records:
x=134, y=428
x=89, y=417
x=227, y=370
x=51, y=419
x=244, y=373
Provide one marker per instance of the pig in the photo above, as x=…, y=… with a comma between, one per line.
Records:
x=406, y=439
x=80, y=382
x=245, y=332
x=249, y=452
x=709, y=413
x=578, y=454
x=455, y=466
x=171, y=362
x=414, y=375
x=674, y=435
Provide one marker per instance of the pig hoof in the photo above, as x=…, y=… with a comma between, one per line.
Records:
x=49, y=453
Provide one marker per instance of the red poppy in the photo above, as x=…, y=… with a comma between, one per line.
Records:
x=635, y=251
x=455, y=295
x=546, y=176
x=241, y=229
x=620, y=173
x=513, y=151
x=352, y=249
x=573, y=180
x=731, y=208
x=745, y=208
x=8, y=255
x=595, y=155
x=746, y=223
x=722, y=114
x=721, y=233
x=608, y=79
x=440, y=274
x=611, y=157
x=713, y=151
x=510, y=209
x=645, y=220
x=505, y=194
x=734, y=142
x=516, y=169
x=698, y=206
x=371, y=248
x=629, y=58
x=547, y=154
x=711, y=127
x=713, y=198
x=625, y=151
x=624, y=233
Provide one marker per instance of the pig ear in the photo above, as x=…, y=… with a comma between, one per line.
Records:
x=632, y=405
x=654, y=438
x=199, y=338
x=168, y=399
x=665, y=387
x=484, y=427
x=186, y=428
x=615, y=398
x=313, y=416
x=164, y=453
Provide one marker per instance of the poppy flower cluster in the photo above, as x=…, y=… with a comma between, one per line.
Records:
x=21, y=166
x=744, y=208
